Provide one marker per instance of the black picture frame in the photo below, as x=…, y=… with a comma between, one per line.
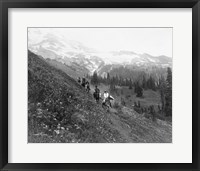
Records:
x=6, y=4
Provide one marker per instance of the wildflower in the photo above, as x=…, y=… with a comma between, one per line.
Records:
x=58, y=126
x=38, y=104
x=57, y=131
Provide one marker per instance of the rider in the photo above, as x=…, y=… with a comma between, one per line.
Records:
x=83, y=82
x=87, y=86
x=96, y=93
x=79, y=80
x=106, y=98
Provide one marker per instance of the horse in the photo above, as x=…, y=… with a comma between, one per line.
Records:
x=96, y=96
x=107, y=102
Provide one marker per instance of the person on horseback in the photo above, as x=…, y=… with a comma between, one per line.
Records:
x=106, y=99
x=87, y=86
x=105, y=96
x=96, y=94
x=79, y=80
x=83, y=82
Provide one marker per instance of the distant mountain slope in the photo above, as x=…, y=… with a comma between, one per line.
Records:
x=60, y=110
x=74, y=70
x=65, y=51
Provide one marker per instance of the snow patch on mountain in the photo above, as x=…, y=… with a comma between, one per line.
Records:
x=151, y=60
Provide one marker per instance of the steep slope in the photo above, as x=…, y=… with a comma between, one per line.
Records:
x=59, y=110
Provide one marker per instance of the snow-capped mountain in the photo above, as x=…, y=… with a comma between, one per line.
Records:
x=73, y=53
x=55, y=47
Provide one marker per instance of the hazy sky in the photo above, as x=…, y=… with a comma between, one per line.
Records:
x=154, y=41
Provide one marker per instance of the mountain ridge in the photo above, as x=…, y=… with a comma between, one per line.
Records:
x=68, y=51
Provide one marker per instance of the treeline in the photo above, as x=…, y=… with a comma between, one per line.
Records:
x=145, y=83
x=136, y=72
x=108, y=80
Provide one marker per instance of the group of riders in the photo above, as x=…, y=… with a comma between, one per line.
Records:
x=106, y=100
x=85, y=83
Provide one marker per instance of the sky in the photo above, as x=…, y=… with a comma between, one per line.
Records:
x=154, y=41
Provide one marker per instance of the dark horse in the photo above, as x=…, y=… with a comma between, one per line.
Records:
x=96, y=96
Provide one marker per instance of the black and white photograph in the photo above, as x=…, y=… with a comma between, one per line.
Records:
x=100, y=84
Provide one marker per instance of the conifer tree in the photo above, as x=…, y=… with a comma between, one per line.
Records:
x=162, y=89
x=168, y=92
x=108, y=78
x=130, y=84
x=144, y=82
x=94, y=79
x=138, y=90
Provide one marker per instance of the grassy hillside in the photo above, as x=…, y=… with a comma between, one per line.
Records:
x=59, y=110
